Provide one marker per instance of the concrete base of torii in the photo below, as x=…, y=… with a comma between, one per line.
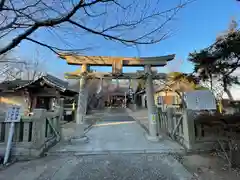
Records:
x=79, y=136
x=152, y=138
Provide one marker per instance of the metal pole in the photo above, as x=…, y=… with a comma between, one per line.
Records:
x=152, y=121
x=9, y=143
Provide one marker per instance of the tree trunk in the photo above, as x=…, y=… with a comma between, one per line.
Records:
x=227, y=91
x=211, y=82
x=210, y=79
x=229, y=94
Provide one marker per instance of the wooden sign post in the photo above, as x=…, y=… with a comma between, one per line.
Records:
x=12, y=116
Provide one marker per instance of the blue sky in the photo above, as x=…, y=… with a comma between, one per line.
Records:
x=195, y=27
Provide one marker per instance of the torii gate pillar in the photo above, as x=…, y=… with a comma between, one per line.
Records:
x=82, y=106
x=152, y=110
x=82, y=98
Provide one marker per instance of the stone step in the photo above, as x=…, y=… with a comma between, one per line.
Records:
x=64, y=152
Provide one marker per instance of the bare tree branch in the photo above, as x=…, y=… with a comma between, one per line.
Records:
x=8, y=25
x=55, y=49
x=2, y=4
x=143, y=21
x=50, y=22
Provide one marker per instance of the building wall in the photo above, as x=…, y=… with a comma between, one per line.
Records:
x=12, y=99
x=169, y=97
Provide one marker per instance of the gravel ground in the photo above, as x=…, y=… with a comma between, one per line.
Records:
x=97, y=167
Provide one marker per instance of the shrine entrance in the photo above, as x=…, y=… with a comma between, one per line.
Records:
x=117, y=63
x=116, y=100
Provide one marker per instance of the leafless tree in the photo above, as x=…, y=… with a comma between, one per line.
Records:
x=9, y=66
x=32, y=69
x=129, y=22
x=19, y=68
x=215, y=87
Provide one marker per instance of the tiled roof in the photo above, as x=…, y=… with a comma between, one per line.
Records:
x=48, y=79
x=11, y=85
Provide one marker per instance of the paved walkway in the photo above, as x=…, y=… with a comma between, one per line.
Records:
x=117, y=149
x=117, y=132
x=140, y=115
x=98, y=167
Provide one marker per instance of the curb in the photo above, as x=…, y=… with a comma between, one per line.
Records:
x=109, y=152
x=88, y=128
x=138, y=121
x=144, y=127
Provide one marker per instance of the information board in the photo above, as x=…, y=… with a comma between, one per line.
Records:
x=13, y=114
x=200, y=100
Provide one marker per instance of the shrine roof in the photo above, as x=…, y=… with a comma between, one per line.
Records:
x=50, y=80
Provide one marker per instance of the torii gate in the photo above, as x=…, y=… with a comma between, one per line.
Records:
x=117, y=63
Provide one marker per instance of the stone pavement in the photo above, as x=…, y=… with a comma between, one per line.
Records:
x=117, y=150
x=98, y=167
x=141, y=116
x=117, y=133
x=68, y=128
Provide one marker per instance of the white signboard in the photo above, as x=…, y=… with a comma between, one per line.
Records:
x=160, y=100
x=13, y=114
x=200, y=100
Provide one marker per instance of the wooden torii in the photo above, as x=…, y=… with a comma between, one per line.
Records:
x=117, y=64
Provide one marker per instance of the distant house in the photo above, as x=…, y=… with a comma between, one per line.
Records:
x=165, y=94
x=43, y=92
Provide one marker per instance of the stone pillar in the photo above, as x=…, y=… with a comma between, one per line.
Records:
x=38, y=128
x=152, y=110
x=188, y=128
x=60, y=118
x=81, y=107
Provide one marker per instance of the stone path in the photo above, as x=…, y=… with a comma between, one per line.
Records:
x=98, y=167
x=117, y=133
x=140, y=115
x=117, y=150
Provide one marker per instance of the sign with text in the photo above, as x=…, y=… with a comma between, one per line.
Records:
x=13, y=114
x=200, y=100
